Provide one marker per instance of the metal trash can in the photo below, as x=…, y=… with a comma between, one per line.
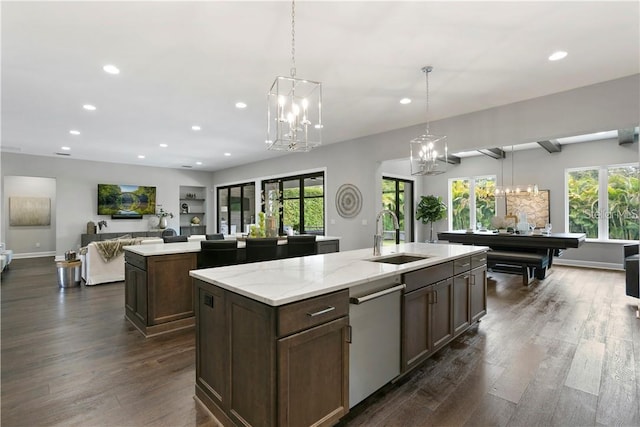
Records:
x=69, y=273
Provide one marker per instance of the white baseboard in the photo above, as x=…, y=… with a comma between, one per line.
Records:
x=34, y=255
x=588, y=264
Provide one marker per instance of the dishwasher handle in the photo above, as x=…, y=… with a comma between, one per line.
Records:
x=363, y=299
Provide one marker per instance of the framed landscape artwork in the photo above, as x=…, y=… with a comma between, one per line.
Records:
x=29, y=211
x=535, y=206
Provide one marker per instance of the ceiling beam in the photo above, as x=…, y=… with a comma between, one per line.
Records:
x=453, y=160
x=551, y=146
x=627, y=136
x=494, y=153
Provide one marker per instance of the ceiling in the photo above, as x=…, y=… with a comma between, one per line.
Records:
x=188, y=63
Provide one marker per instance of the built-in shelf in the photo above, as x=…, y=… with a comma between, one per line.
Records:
x=196, y=206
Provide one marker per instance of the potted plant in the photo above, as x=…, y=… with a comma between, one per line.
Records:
x=430, y=209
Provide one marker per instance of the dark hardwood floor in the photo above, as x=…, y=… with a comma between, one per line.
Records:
x=565, y=351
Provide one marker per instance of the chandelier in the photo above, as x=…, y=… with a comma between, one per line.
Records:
x=428, y=152
x=514, y=189
x=294, y=116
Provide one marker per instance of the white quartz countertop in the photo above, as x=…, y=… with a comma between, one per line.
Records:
x=288, y=280
x=184, y=247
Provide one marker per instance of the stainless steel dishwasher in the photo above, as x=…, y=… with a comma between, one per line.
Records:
x=374, y=353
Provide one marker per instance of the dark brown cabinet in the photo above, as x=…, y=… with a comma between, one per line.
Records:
x=440, y=315
x=272, y=366
x=461, y=315
x=211, y=342
x=158, y=292
x=427, y=320
x=135, y=298
x=478, y=293
x=440, y=303
x=416, y=339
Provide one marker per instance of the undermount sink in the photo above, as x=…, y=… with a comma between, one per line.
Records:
x=399, y=259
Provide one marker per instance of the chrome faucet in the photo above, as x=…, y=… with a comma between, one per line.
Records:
x=377, y=238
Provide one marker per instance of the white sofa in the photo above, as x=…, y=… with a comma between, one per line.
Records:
x=96, y=271
x=6, y=256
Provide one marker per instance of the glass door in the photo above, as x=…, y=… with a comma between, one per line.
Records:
x=397, y=196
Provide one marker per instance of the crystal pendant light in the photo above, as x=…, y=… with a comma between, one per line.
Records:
x=294, y=117
x=428, y=152
x=514, y=189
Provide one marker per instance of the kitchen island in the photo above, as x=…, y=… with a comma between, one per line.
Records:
x=273, y=339
x=158, y=289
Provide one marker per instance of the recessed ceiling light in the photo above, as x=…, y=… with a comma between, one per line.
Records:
x=111, y=69
x=318, y=126
x=227, y=154
x=241, y=105
x=74, y=132
x=66, y=148
x=405, y=101
x=164, y=145
x=195, y=127
x=141, y=156
x=198, y=163
x=556, y=56
x=89, y=107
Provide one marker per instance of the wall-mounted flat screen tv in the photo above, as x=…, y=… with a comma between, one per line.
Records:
x=126, y=201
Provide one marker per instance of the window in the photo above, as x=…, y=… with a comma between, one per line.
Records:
x=471, y=201
x=603, y=202
x=397, y=196
x=296, y=202
x=236, y=208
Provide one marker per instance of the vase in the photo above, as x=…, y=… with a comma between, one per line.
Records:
x=431, y=239
x=271, y=227
x=163, y=223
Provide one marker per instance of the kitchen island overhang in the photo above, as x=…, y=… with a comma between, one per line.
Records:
x=285, y=281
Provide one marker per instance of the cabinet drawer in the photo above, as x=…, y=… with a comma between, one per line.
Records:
x=426, y=276
x=136, y=260
x=311, y=312
x=461, y=265
x=478, y=260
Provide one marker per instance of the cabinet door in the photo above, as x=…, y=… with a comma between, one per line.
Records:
x=170, y=287
x=416, y=338
x=313, y=377
x=251, y=328
x=135, y=296
x=441, y=321
x=478, y=294
x=212, y=360
x=461, y=312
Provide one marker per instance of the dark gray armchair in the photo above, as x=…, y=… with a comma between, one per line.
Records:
x=631, y=268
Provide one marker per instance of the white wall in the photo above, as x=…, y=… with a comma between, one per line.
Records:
x=37, y=240
x=604, y=106
x=76, y=194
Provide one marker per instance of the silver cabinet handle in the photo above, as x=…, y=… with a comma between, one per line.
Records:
x=360, y=300
x=465, y=265
x=318, y=313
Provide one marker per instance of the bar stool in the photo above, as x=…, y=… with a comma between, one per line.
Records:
x=217, y=253
x=301, y=245
x=262, y=249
